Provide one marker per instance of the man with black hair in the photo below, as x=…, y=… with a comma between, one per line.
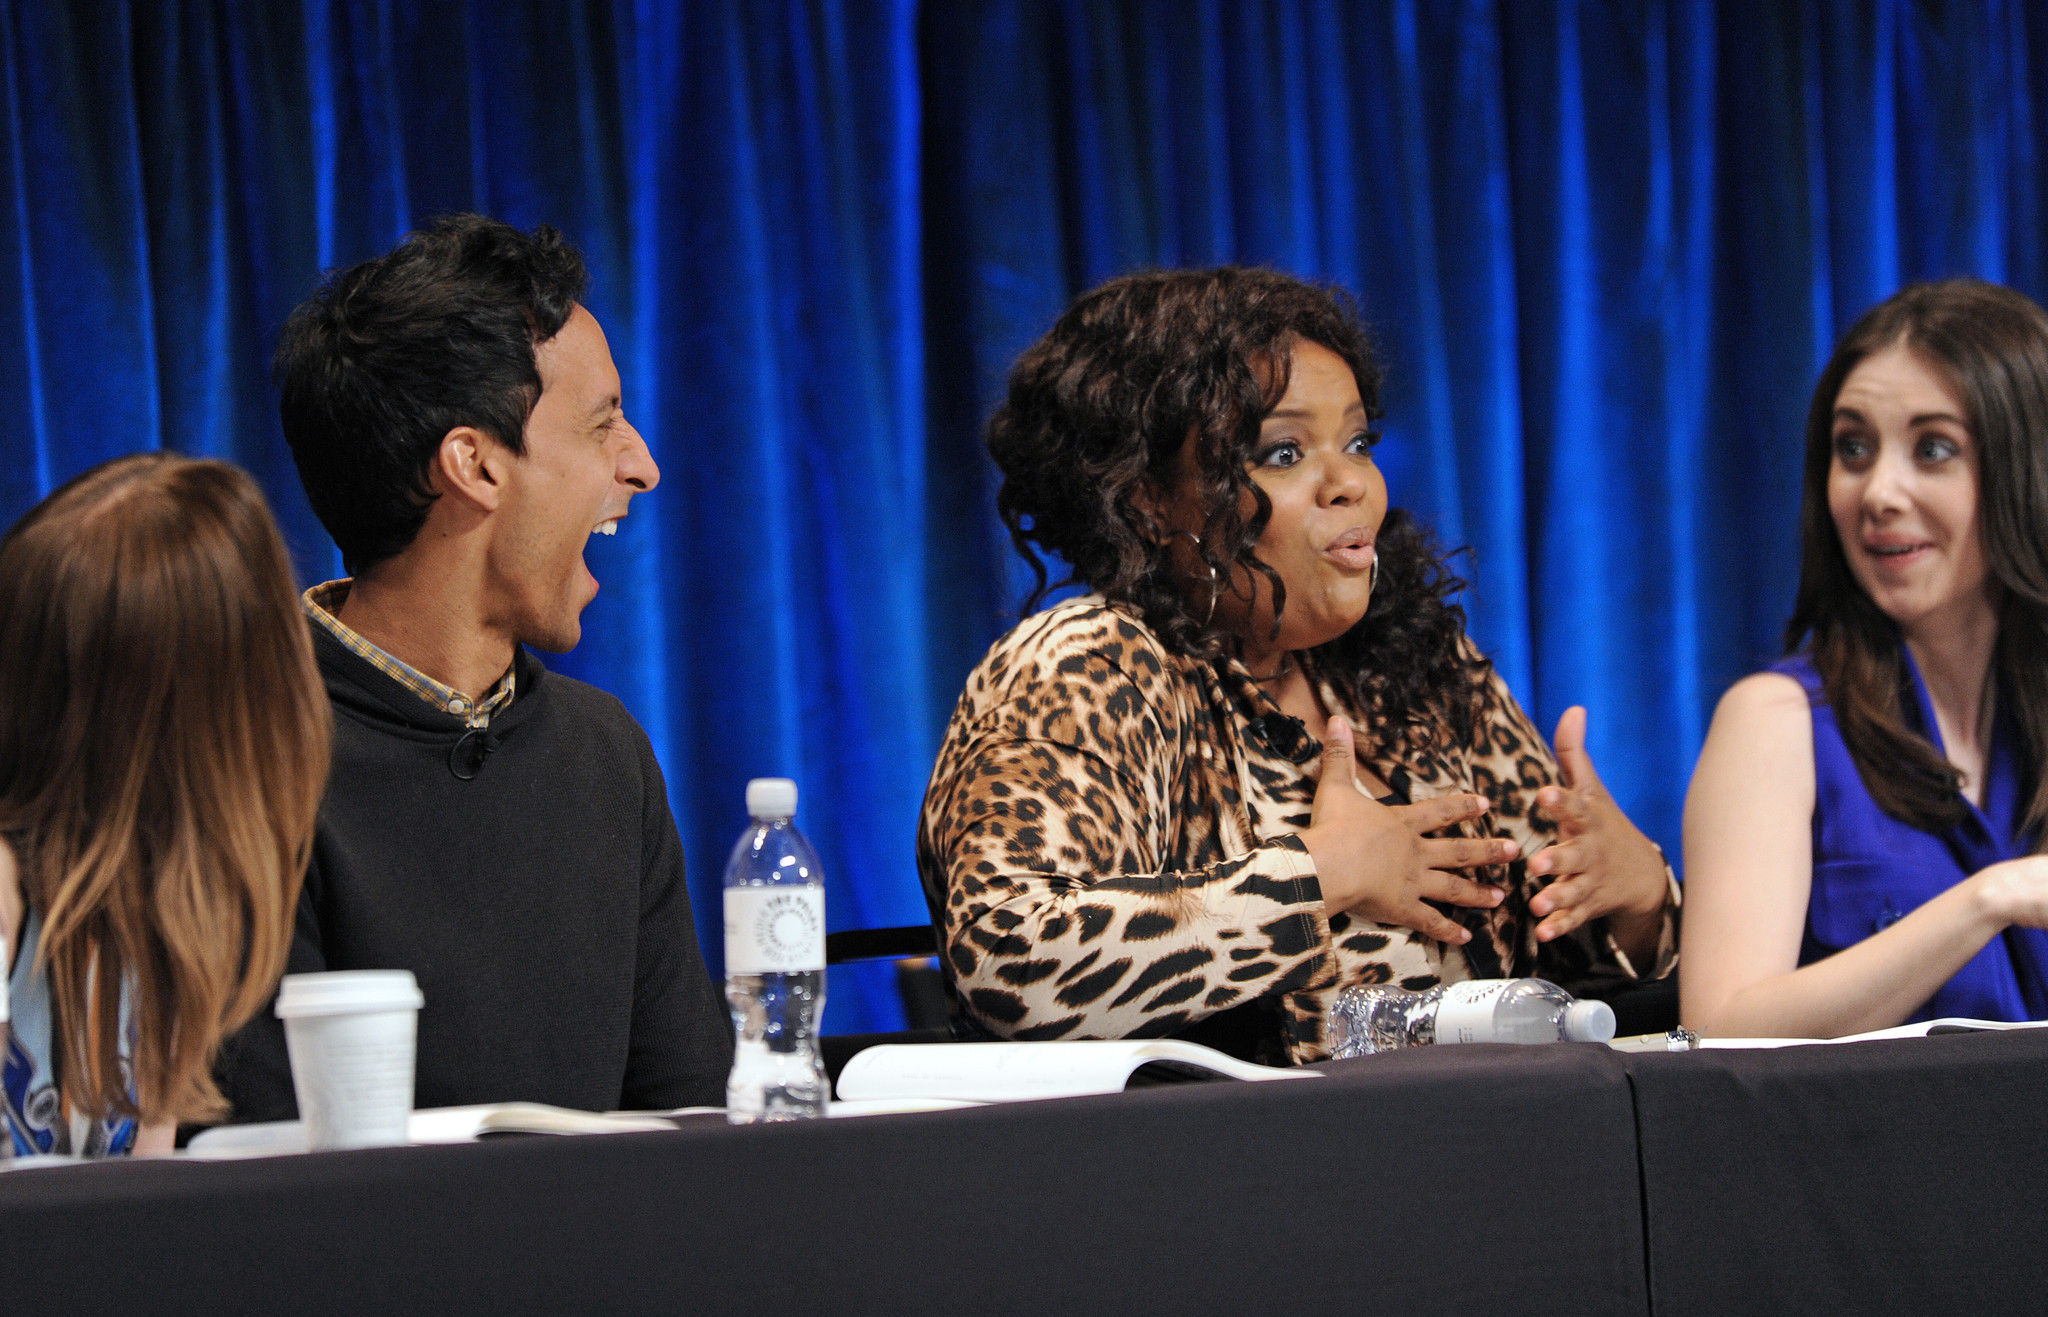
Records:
x=501, y=831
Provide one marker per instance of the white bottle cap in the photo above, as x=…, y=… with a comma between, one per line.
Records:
x=771, y=798
x=1589, y=1022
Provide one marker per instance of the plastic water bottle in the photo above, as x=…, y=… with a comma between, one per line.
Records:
x=774, y=963
x=1369, y=1019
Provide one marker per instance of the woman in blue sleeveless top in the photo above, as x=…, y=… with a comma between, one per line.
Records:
x=163, y=747
x=1862, y=832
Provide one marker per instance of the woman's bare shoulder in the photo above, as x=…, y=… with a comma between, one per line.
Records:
x=1765, y=699
x=1760, y=747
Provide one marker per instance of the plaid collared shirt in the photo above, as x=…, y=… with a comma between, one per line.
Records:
x=321, y=603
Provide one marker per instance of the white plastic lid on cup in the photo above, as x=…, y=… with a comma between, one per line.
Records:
x=348, y=992
x=1589, y=1022
x=771, y=798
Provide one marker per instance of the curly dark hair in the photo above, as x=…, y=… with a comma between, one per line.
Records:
x=390, y=355
x=1098, y=414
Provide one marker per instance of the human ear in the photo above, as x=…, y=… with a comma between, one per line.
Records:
x=467, y=467
x=1154, y=498
x=1148, y=508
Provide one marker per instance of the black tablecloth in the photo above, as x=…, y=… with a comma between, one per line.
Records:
x=1884, y=1177
x=1870, y=1177
x=1457, y=1180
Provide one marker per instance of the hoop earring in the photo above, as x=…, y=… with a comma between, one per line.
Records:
x=1214, y=588
x=1372, y=579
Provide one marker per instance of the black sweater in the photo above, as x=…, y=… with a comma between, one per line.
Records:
x=540, y=903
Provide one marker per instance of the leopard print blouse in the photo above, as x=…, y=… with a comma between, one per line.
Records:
x=1109, y=847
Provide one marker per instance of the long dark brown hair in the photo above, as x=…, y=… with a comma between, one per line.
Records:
x=163, y=746
x=1098, y=414
x=1991, y=344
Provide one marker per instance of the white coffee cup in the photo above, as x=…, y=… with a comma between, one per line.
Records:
x=351, y=1034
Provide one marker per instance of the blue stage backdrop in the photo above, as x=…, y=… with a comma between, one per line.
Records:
x=1605, y=248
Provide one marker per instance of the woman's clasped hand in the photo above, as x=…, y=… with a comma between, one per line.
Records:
x=1601, y=864
x=1382, y=862
x=1379, y=861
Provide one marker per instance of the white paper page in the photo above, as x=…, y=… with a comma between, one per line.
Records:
x=271, y=1138
x=1010, y=1072
x=1916, y=1030
x=895, y=1106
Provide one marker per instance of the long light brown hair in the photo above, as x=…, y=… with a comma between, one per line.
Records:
x=164, y=742
x=1991, y=344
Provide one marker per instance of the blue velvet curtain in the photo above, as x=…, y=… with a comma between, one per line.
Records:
x=1605, y=247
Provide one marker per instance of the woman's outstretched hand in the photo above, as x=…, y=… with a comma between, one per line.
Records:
x=2014, y=892
x=1602, y=864
x=1374, y=861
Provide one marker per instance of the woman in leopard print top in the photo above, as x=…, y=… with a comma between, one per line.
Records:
x=1249, y=769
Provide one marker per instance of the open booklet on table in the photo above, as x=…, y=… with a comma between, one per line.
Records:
x=439, y=1125
x=468, y=1124
x=1919, y=1029
x=1012, y=1072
